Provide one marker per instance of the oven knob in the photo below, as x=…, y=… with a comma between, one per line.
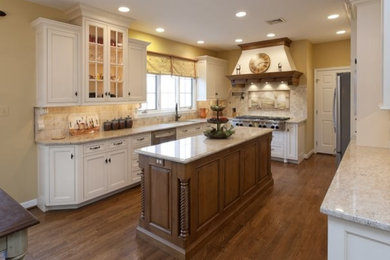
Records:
x=264, y=126
x=241, y=124
x=250, y=125
x=272, y=126
x=260, y=126
x=237, y=124
x=277, y=127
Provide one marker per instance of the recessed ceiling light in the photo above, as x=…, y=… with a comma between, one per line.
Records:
x=160, y=30
x=340, y=32
x=333, y=16
x=241, y=14
x=270, y=35
x=200, y=42
x=238, y=40
x=124, y=9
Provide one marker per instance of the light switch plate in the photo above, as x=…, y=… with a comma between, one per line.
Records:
x=4, y=110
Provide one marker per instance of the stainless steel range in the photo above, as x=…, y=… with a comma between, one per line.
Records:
x=277, y=123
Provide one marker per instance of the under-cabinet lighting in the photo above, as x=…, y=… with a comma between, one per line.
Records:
x=340, y=32
x=160, y=30
x=241, y=14
x=124, y=9
x=333, y=16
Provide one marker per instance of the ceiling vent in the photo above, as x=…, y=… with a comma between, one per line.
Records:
x=276, y=21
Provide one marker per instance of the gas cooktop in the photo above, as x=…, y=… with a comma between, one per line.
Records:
x=276, y=123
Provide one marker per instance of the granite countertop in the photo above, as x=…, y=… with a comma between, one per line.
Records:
x=193, y=148
x=105, y=135
x=360, y=190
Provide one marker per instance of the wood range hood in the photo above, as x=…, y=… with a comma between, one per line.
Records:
x=290, y=77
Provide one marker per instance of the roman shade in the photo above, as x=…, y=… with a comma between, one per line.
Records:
x=158, y=63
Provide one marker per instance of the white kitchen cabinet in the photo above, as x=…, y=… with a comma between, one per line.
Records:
x=95, y=179
x=105, y=167
x=136, y=142
x=188, y=131
x=352, y=241
x=137, y=70
x=58, y=51
x=212, y=82
x=278, y=145
x=105, y=65
x=106, y=62
x=59, y=178
x=295, y=140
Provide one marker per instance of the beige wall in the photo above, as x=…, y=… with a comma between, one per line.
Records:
x=17, y=92
x=232, y=58
x=302, y=54
x=162, y=45
x=332, y=54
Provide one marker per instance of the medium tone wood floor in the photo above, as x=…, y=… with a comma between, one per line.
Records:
x=286, y=225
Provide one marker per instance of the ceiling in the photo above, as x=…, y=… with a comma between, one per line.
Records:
x=214, y=21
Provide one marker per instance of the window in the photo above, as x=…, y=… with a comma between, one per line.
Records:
x=164, y=91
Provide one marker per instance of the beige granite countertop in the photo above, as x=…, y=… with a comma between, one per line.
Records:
x=360, y=190
x=296, y=120
x=104, y=135
x=196, y=147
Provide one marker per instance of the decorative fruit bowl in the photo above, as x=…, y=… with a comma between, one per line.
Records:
x=221, y=131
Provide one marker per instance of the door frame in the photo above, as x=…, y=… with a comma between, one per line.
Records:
x=334, y=69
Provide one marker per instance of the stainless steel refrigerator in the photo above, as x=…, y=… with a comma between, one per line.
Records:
x=342, y=113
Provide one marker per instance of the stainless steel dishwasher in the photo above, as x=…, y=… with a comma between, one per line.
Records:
x=162, y=136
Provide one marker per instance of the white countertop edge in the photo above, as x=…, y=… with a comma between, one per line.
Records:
x=355, y=219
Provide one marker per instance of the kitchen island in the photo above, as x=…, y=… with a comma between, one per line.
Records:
x=358, y=205
x=192, y=186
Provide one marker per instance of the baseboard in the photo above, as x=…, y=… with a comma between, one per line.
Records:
x=29, y=204
x=309, y=154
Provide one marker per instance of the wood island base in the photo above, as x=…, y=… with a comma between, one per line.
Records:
x=183, y=204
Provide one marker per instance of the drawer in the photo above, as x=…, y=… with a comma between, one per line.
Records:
x=140, y=140
x=94, y=147
x=118, y=143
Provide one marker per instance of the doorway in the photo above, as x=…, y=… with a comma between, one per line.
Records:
x=325, y=83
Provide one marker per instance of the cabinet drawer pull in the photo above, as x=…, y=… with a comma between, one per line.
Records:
x=118, y=143
x=71, y=156
x=94, y=148
x=129, y=93
x=198, y=128
x=109, y=160
x=106, y=160
x=141, y=139
x=76, y=93
x=185, y=131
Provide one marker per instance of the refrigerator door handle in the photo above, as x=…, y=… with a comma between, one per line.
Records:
x=338, y=115
x=334, y=109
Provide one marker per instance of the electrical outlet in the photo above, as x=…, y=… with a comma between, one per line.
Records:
x=4, y=110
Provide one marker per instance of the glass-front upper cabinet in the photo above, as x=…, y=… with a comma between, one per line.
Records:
x=106, y=69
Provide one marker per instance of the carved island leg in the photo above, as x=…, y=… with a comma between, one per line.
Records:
x=142, y=194
x=184, y=213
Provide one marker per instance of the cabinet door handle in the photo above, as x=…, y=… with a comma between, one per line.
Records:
x=106, y=160
x=71, y=156
x=118, y=143
x=185, y=131
x=141, y=139
x=76, y=93
x=109, y=94
x=216, y=93
x=94, y=148
x=105, y=93
x=129, y=93
x=109, y=160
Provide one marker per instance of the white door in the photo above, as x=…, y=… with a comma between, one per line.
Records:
x=325, y=135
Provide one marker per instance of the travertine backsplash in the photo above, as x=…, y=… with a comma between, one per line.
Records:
x=56, y=119
x=298, y=108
